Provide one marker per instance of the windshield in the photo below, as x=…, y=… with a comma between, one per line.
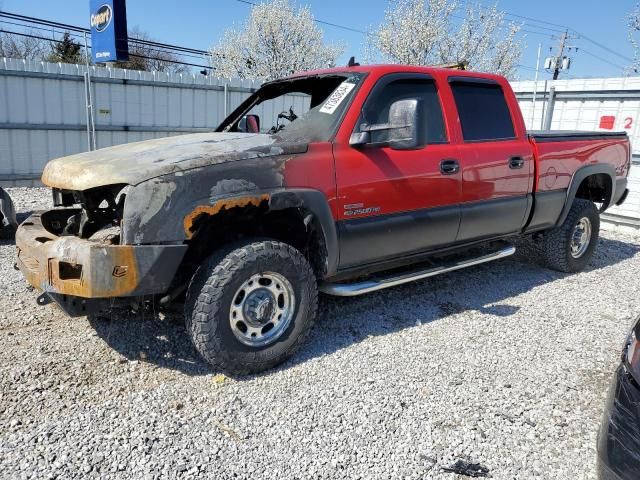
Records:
x=307, y=109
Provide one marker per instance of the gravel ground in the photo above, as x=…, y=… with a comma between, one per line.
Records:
x=505, y=364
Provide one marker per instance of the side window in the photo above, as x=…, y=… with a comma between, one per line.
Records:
x=376, y=110
x=483, y=112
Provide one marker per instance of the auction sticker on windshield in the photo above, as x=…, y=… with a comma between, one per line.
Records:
x=337, y=97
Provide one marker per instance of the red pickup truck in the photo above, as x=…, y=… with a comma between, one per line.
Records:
x=371, y=176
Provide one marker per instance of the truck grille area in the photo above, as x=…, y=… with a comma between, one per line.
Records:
x=94, y=214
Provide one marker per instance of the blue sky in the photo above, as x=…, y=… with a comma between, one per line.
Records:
x=200, y=23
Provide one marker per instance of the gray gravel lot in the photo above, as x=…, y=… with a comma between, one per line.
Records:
x=505, y=364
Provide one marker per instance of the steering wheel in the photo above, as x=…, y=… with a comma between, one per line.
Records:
x=290, y=115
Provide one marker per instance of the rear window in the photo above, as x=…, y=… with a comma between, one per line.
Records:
x=483, y=112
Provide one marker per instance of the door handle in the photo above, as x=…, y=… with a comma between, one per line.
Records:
x=449, y=167
x=516, y=162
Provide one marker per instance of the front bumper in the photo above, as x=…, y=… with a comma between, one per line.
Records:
x=72, y=266
x=619, y=436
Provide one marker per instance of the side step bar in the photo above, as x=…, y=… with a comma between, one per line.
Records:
x=393, y=280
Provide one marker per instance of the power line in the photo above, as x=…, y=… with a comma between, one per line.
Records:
x=75, y=28
x=89, y=46
x=151, y=45
x=323, y=22
x=602, y=59
x=558, y=30
x=604, y=47
x=561, y=28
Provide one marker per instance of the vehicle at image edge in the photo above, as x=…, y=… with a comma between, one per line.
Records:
x=619, y=435
x=373, y=176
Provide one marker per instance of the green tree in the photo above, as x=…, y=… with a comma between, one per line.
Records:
x=66, y=51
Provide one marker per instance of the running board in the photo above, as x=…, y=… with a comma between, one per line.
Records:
x=393, y=280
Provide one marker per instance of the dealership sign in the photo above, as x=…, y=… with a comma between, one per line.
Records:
x=109, y=42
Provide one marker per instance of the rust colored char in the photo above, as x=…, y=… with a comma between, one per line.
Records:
x=220, y=205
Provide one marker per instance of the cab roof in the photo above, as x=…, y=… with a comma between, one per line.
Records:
x=380, y=70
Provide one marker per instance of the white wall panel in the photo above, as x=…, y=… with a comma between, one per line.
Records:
x=583, y=112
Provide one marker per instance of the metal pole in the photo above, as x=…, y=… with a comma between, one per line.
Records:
x=549, y=116
x=226, y=100
x=90, y=112
x=544, y=105
x=86, y=103
x=535, y=87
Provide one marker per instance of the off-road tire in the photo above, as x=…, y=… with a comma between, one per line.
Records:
x=557, y=242
x=211, y=292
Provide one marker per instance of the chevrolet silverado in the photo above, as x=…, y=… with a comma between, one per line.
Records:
x=380, y=175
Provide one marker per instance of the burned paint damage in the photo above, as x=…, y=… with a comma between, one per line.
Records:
x=89, y=269
x=134, y=163
x=135, y=208
x=167, y=208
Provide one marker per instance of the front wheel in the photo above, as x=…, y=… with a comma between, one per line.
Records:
x=570, y=247
x=251, y=306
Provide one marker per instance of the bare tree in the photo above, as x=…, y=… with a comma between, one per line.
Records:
x=149, y=58
x=25, y=47
x=423, y=32
x=276, y=40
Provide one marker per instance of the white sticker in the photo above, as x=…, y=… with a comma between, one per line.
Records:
x=337, y=97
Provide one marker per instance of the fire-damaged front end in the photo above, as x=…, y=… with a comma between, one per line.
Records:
x=136, y=220
x=125, y=217
x=75, y=254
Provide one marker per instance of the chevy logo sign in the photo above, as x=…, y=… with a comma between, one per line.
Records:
x=109, y=41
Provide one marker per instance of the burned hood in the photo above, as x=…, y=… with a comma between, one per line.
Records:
x=135, y=163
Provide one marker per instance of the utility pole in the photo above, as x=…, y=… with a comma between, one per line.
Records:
x=558, y=62
x=558, y=65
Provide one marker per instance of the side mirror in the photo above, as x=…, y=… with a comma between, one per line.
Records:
x=249, y=124
x=399, y=133
x=403, y=118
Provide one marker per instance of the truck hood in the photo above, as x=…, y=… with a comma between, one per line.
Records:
x=135, y=163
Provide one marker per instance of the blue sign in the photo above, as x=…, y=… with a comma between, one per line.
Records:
x=109, y=40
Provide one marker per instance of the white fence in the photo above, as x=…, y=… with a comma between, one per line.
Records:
x=43, y=113
x=43, y=110
x=610, y=104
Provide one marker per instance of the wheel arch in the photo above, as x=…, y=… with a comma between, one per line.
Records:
x=589, y=182
x=301, y=213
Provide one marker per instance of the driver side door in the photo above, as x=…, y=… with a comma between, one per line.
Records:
x=395, y=203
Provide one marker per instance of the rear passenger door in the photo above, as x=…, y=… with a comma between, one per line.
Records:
x=496, y=161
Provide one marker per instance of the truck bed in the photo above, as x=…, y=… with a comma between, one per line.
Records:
x=559, y=154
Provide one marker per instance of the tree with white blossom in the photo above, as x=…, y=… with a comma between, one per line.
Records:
x=633, y=22
x=277, y=40
x=425, y=32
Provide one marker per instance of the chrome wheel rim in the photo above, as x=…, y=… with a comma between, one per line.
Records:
x=262, y=309
x=581, y=237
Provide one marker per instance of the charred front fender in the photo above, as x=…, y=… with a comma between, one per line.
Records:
x=170, y=208
x=155, y=210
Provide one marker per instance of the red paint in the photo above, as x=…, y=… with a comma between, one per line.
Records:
x=398, y=181
x=567, y=157
x=607, y=122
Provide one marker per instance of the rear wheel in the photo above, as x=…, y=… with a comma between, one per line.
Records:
x=251, y=306
x=570, y=247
